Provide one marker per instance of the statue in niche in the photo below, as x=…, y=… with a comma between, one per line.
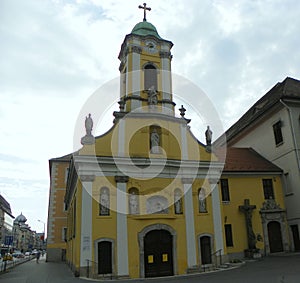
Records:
x=154, y=141
x=177, y=202
x=152, y=97
x=133, y=203
x=88, y=125
x=202, y=200
x=104, y=201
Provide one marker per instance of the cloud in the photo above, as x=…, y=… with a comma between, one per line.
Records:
x=56, y=53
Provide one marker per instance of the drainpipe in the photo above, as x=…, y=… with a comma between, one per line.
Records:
x=293, y=131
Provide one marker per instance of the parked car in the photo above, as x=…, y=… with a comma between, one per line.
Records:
x=18, y=254
x=27, y=253
x=34, y=252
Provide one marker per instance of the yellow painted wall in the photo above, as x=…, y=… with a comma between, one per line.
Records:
x=74, y=238
x=105, y=226
x=137, y=141
x=247, y=187
x=58, y=214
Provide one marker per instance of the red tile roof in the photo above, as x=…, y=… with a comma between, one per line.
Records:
x=247, y=160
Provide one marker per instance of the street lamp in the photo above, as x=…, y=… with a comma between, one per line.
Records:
x=44, y=230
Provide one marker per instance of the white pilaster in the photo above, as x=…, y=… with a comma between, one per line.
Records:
x=188, y=205
x=126, y=81
x=121, y=138
x=189, y=226
x=166, y=78
x=86, y=223
x=216, y=208
x=136, y=80
x=184, y=149
x=122, y=236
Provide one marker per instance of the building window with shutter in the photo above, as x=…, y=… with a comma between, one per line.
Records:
x=228, y=235
x=64, y=234
x=278, y=133
x=268, y=188
x=225, y=190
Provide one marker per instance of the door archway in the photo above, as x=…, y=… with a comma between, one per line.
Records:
x=158, y=252
x=105, y=257
x=205, y=250
x=275, y=237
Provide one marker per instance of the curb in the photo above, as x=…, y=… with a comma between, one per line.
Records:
x=168, y=278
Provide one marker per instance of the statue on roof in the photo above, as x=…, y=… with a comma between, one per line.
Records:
x=88, y=125
x=88, y=138
x=208, y=137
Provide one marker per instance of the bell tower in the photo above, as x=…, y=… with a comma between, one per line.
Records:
x=145, y=70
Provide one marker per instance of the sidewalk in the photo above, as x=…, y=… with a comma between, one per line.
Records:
x=33, y=272
x=273, y=269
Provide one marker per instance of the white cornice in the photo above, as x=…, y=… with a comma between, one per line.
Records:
x=143, y=167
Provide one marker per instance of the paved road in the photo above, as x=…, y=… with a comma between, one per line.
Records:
x=275, y=269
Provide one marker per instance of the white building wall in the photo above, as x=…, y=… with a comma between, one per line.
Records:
x=261, y=138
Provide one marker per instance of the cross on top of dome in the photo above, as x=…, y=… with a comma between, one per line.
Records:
x=145, y=8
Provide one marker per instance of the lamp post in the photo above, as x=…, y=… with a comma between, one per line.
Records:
x=44, y=231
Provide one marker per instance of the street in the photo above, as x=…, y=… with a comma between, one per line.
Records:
x=275, y=269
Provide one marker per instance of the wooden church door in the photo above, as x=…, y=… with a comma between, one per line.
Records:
x=158, y=255
x=104, y=257
x=205, y=247
x=296, y=237
x=275, y=238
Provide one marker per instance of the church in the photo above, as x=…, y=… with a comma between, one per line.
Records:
x=147, y=198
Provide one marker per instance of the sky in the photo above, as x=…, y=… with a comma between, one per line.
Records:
x=54, y=54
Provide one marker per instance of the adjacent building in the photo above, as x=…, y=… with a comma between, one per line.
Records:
x=251, y=183
x=57, y=217
x=6, y=225
x=272, y=127
x=24, y=239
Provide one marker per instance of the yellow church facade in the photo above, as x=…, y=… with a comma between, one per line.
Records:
x=147, y=199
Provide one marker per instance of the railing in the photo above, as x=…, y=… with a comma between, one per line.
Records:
x=90, y=268
x=7, y=264
x=216, y=257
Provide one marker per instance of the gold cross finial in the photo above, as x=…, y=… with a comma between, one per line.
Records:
x=144, y=8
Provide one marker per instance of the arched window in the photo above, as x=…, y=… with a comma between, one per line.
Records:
x=150, y=77
x=133, y=201
x=104, y=201
x=202, y=200
x=178, y=201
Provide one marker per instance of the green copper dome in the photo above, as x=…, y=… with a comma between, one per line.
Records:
x=145, y=28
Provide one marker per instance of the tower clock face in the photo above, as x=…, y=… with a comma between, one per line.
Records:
x=150, y=46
